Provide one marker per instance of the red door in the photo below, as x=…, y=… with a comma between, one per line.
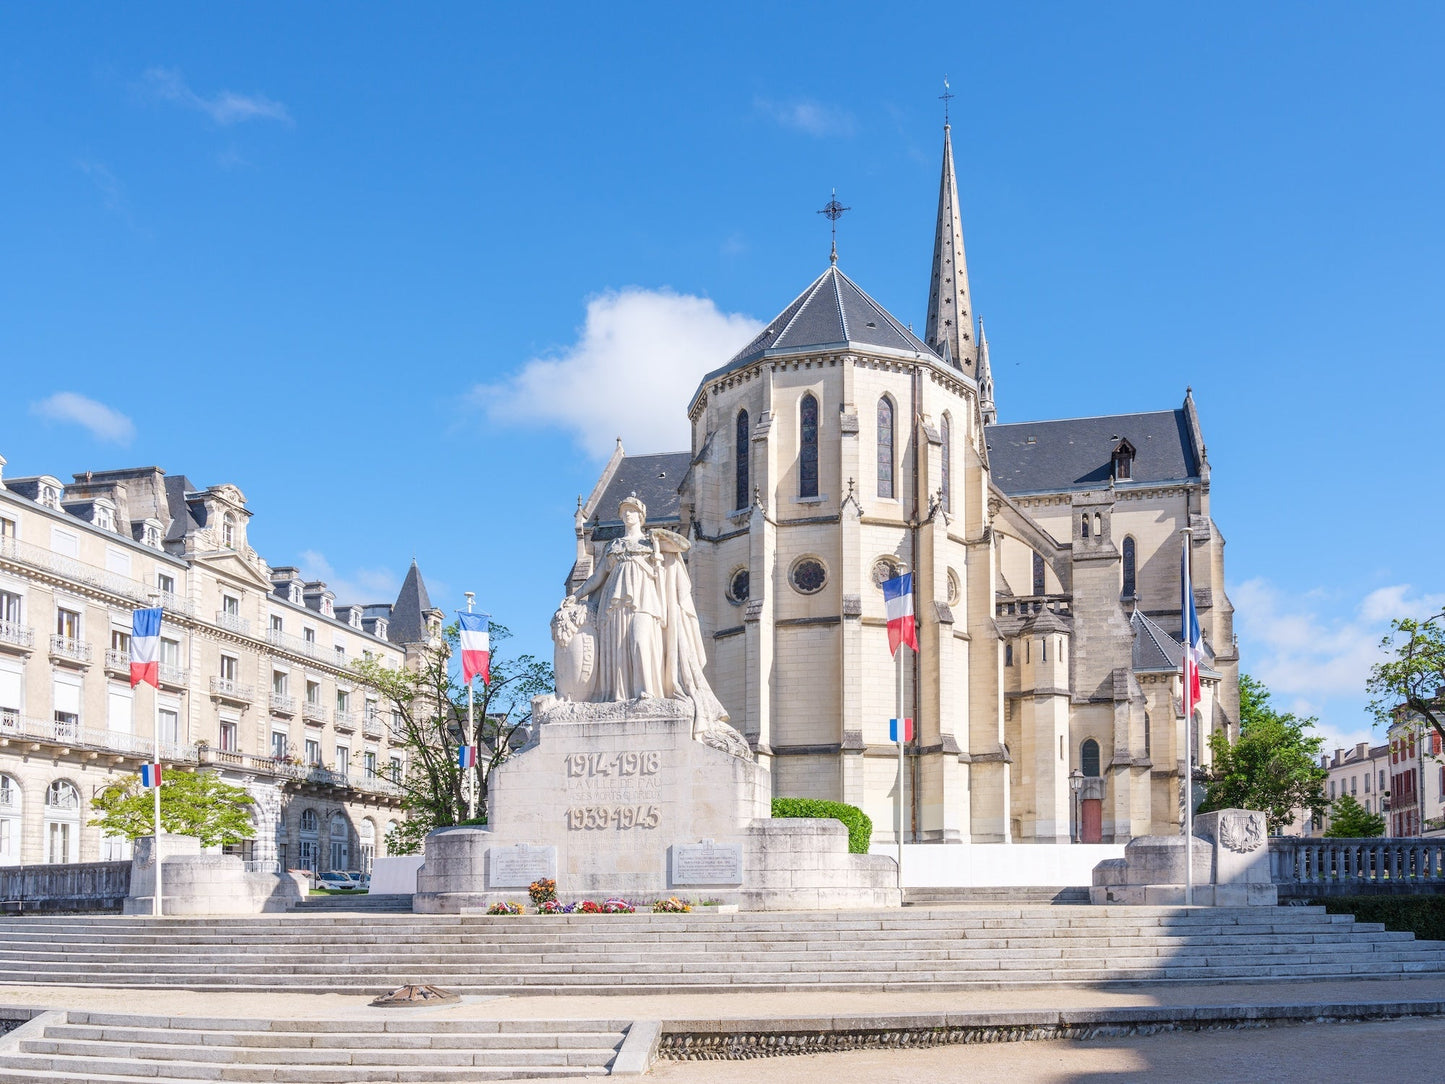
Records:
x=1091, y=821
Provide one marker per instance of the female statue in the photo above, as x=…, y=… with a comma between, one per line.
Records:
x=647, y=643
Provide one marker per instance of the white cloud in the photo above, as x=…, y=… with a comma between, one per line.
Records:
x=101, y=421
x=636, y=362
x=225, y=107
x=1314, y=662
x=808, y=116
x=365, y=585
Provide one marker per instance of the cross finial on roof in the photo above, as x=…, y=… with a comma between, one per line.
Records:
x=834, y=210
x=946, y=97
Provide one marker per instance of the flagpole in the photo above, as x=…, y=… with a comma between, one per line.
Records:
x=1187, y=592
x=899, y=733
x=470, y=780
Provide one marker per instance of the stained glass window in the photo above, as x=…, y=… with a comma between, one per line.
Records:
x=742, y=460
x=808, y=447
x=885, y=447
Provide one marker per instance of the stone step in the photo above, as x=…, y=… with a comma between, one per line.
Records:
x=1072, y=894
x=44, y=1067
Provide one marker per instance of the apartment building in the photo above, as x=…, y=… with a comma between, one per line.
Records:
x=255, y=671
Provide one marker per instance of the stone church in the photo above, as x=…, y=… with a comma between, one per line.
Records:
x=837, y=449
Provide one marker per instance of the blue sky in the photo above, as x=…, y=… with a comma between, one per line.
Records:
x=384, y=268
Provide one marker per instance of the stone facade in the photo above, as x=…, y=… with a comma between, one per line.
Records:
x=837, y=450
x=254, y=669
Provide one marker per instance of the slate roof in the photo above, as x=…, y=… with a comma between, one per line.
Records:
x=1155, y=650
x=1049, y=457
x=654, y=478
x=832, y=313
x=408, y=613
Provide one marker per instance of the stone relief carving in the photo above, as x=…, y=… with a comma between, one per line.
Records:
x=1242, y=833
x=630, y=631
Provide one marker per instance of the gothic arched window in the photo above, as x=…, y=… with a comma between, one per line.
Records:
x=1038, y=574
x=1084, y=525
x=808, y=447
x=885, y=447
x=1089, y=758
x=945, y=435
x=1129, y=568
x=741, y=450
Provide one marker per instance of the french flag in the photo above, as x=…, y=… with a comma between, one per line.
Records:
x=898, y=605
x=467, y=756
x=1189, y=634
x=893, y=730
x=476, y=649
x=150, y=775
x=145, y=644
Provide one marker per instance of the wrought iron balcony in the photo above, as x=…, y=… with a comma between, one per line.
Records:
x=177, y=677
x=233, y=622
x=66, y=649
x=313, y=712
x=117, y=660
x=371, y=726
x=143, y=594
x=14, y=726
x=231, y=689
x=283, y=704
x=346, y=720
x=14, y=634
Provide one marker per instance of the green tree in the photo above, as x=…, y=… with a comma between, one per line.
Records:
x=1411, y=680
x=430, y=705
x=1348, y=820
x=1273, y=766
x=192, y=803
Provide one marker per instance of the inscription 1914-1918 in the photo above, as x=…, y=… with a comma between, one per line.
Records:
x=592, y=765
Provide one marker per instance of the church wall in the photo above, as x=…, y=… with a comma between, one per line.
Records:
x=806, y=709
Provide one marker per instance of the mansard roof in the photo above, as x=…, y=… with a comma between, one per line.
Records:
x=832, y=313
x=654, y=478
x=1077, y=453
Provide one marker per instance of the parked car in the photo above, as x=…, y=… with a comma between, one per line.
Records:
x=339, y=880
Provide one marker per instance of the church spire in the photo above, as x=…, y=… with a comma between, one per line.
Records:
x=950, y=309
x=985, y=379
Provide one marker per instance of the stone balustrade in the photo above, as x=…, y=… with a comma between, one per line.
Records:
x=231, y=689
x=71, y=886
x=66, y=647
x=313, y=712
x=1316, y=867
x=1023, y=605
x=233, y=622
x=71, y=736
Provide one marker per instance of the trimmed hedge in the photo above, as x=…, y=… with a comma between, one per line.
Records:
x=1424, y=916
x=858, y=823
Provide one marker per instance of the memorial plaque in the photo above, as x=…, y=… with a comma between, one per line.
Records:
x=707, y=863
x=519, y=866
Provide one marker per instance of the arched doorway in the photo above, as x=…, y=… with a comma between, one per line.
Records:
x=1091, y=807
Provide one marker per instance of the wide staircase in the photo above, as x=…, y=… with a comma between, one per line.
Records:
x=355, y=903
x=913, y=948
x=104, y=1048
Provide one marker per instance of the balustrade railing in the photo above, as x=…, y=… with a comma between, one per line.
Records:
x=284, y=704
x=371, y=726
x=173, y=675
x=233, y=622
x=16, y=634
x=72, y=735
x=313, y=712
x=1031, y=604
x=1381, y=861
x=346, y=720
x=65, y=647
x=294, y=644
x=117, y=660
x=70, y=568
x=231, y=689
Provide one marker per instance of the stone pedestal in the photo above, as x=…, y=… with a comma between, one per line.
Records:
x=619, y=800
x=1230, y=865
x=204, y=884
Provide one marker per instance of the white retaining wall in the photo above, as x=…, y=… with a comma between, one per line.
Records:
x=983, y=865
x=395, y=876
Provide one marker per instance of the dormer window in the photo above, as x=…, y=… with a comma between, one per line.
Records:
x=228, y=531
x=104, y=518
x=1123, y=460
x=151, y=534
x=50, y=497
x=295, y=593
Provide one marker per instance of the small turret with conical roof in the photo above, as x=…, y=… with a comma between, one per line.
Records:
x=414, y=620
x=985, y=379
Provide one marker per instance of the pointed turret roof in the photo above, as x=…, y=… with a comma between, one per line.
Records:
x=950, y=307
x=832, y=313
x=408, y=615
x=985, y=379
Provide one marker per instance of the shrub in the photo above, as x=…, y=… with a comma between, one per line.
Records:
x=1424, y=916
x=542, y=890
x=858, y=823
x=505, y=909
x=671, y=906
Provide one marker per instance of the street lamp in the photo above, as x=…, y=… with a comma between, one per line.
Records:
x=1076, y=784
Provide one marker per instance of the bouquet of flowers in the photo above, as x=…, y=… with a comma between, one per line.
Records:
x=555, y=907
x=617, y=907
x=589, y=907
x=671, y=906
x=542, y=890
x=505, y=909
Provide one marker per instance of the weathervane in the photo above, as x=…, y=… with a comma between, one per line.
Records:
x=946, y=97
x=834, y=210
